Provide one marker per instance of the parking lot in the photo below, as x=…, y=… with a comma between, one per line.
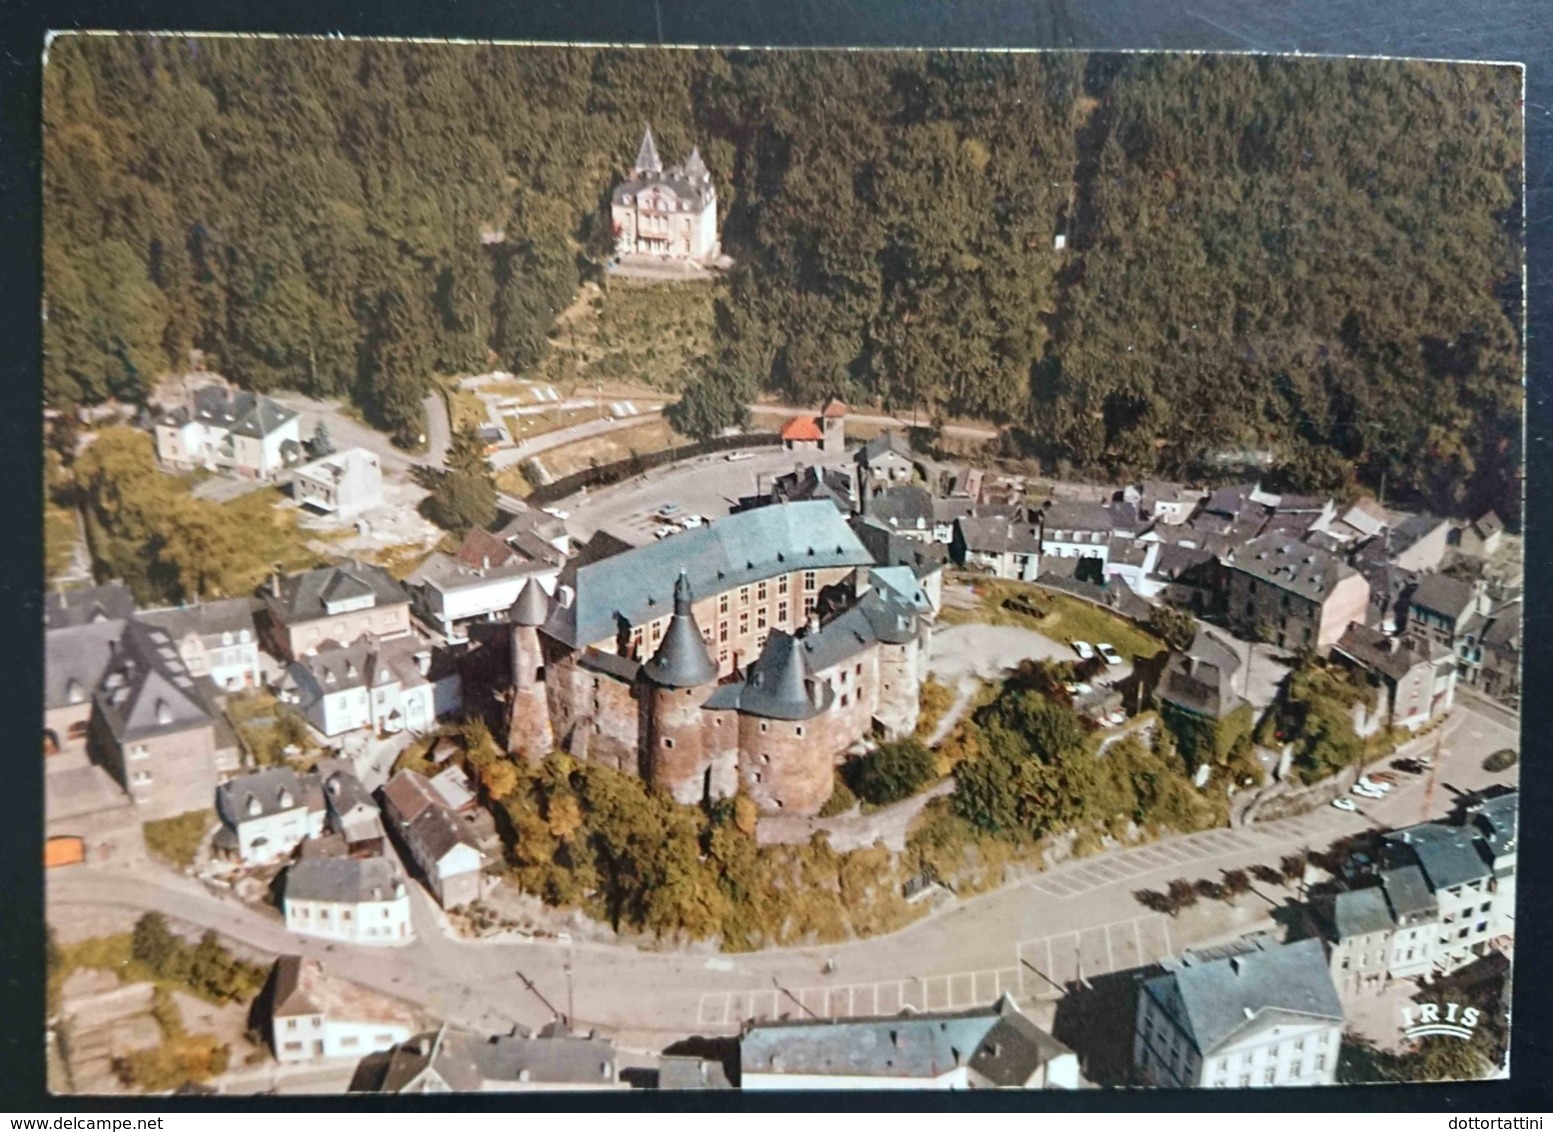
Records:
x=931, y=992
x=1055, y=962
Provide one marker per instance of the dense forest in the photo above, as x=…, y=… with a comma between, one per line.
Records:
x=1317, y=260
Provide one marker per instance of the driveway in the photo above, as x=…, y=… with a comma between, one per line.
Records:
x=986, y=651
x=507, y=457
x=347, y=432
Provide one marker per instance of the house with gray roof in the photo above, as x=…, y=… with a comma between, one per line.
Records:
x=986, y=1047
x=1481, y=537
x=452, y=1060
x=159, y=734
x=666, y=213
x=348, y=899
x=437, y=842
x=353, y=815
x=905, y=508
x=341, y=483
x=267, y=814
x=1075, y=529
x=381, y=686
x=1200, y=681
x=216, y=639
x=1253, y=1014
x=67, y=609
x=885, y=460
x=1442, y=607
x=75, y=660
x=1416, y=677
x=229, y=430
x=806, y=482
x=336, y=604
x=1168, y=503
x=1002, y=547
x=1417, y=543
x=1296, y=596
x=1362, y=928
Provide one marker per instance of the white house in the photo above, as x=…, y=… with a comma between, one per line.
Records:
x=348, y=899
x=439, y=844
x=671, y=213
x=988, y=1047
x=1251, y=1014
x=229, y=430
x=314, y=1017
x=343, y=483
x=215, y=639
x=1131, y=562
x=384, y=686
x=451, y=595
x=267, y=814
x=1076, y=530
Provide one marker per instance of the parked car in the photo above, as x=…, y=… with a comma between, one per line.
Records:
x=663, y=532
x=1110, y=655
x=1345, y=804
x=735, y=457
x=1383, y=777
x=1408, y=766
x=1116, y=718
x=668, y=509
x=1084, y=649
x=556, y=513
x=1374, y=784
x=691, y=522
x=1364, y=791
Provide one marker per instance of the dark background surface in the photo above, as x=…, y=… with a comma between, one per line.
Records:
x=1504, y=31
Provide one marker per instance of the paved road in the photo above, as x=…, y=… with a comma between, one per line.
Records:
x=975, y=432
x=439, y=433
x=1074, y=909
x=545, y=441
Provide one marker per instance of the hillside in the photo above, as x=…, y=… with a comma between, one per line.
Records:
x=1311, y=263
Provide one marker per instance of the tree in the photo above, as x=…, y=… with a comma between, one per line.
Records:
x=894, y=771
x=1177, y=627
x=153, y=943
x=1182, y=894
x=1235, y=883
x=715, y=399
x=460, y=503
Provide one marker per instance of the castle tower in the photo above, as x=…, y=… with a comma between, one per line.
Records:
x=678, y=677
x=833, y=426
x=529, y=733
x=786, y=726
x=647, y=159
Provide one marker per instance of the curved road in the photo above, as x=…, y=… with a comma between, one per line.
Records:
x=973, y=944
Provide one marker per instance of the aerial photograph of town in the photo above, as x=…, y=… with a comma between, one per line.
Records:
x=581, y=568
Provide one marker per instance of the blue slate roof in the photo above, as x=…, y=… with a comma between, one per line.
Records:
x=1361, y=912
x=1448, y=854
x=1211, y=1000
x=636, y=586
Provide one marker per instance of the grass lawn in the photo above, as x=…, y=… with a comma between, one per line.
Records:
x=650, y=436
x=177, y=839
x=59, y=537
x=512, y=481
x=1066, y=618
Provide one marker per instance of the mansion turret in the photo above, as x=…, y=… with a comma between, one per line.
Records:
x=666, y=212
x=754, y=651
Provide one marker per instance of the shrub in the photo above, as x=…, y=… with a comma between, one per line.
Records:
x=840, y=801
x=177, y=840
x=935, y=700
x=1501, y=760
x=893, y=772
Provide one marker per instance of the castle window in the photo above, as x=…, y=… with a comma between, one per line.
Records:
x=657, y=631
x=782, y=584
x=764, y=727
x=760, y=618
x=811, y=580
x=744, y=622
x=808, y=606
x=744, y=595
x=860, y=669
x=722, y=654
x=845, y=699
x=798, y=731
x=668, y=743
x=760, y=592
x=722, y=603
x=781, y=613
x=722, y=634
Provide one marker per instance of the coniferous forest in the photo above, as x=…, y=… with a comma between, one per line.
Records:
x=1317, y=259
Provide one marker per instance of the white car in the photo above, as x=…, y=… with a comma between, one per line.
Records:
x=1373, y=784
x=556, y=513
x=1110, y=655
x=690, y=522
x=1085, y=652
x=735, y=457
x=1365, y=792
x=663, y=532
x=1345, y=804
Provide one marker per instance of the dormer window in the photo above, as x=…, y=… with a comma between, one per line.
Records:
x=285, y=799
x=164, y=714
x=73, y=692
x=254, y=808
x=226, y=638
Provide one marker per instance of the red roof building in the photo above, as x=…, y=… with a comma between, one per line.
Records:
x=802, y=429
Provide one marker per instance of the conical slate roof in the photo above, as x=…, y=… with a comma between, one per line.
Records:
x=776, y=686
x=647, y=160
x=681, y=660
x=695, y=168
x=532, y=606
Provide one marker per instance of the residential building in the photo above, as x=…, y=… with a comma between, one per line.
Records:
x=1363, y=930
x=215, y=639
x=1499, y=671
x=1482, y=537
x=444, y=853
x=1416, y=678
x=267, y=814
x=67, y=609
x=1240, y=502
x=155, y=729
x=824, y=432
x=478, y=584
x=1168, y=503
x=885, y=460
x=314, y=1017
x=667, y=213
x=904, y=508
x=334, y=603
x=353, y=815
x=808, y=481
x=1001, y=547
x=643, y=662
x=1293, y=595
x=228, y=430
x=1130, y=562
x=1416, y=544
x=988, y=1047
x=1182, y=575
x=75, y=659
x=677, y=1072
x=1200, y=681
x=450, y=1060
x=1458, y=862
x=1440, y=607
x=384, y=686
x=1077, y=530
x=343, y=483
x=893, y=548
x=1364, y=519
x=352, y=900
x=1252, y=1014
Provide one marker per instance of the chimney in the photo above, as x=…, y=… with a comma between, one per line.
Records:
x=566, y=595
x=423, y=662
x=485, y=564
x=275, y=583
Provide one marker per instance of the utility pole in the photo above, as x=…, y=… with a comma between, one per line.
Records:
x=570, y=1005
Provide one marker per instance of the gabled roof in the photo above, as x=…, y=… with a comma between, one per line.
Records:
x=809, y=482
x=1201, y=679
x=208, y=620
x=147, y=689
x=998, y=536
x=302, y=988
x=482, y=550
x=802, y=428
x=407, y=793
x=904, y=507
x=1069, y=515
x=1407, y=892
x=1291, y=566
x=1440, y=593
x=468, y=1062
x=1488, y=524
x=1393, y=657
x=75, y=660
x=436, y=831
x=65, y=609
x=1211, y=998
x=833, y=407
x=1362, y=911
x=647, y=159
x=635, y=586
x=302, y=596
x=344, y=881
x=885, y=442
x=1447, y=854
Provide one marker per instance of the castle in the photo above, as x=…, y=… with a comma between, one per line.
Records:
x=753, y=652
x=666, y=212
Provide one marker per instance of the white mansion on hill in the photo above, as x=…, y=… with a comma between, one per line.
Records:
x=671, y=213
